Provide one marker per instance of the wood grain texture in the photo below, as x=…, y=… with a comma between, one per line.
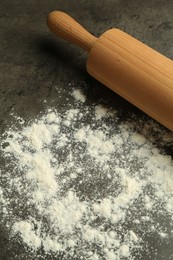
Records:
x=67, y=28
x=130, y=68
x=136, y=72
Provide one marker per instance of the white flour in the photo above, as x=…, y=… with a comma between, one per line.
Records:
x=90, y=190
x=78, y=95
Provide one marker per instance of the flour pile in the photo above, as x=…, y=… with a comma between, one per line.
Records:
x=83, y=185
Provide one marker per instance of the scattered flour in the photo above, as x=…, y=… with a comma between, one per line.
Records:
x=86, y=191
x=100, y=112
x=27, y=233
x=78, y=95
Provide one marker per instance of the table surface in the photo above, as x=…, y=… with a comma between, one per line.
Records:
x=33, y=61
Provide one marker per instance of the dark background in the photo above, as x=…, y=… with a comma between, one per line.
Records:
x=35, y=65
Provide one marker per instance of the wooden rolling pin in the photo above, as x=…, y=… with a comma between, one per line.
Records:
x=130, y=68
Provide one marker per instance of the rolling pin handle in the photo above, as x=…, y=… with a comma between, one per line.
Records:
x=67, y=28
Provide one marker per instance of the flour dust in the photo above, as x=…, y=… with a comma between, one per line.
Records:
x=82, y=184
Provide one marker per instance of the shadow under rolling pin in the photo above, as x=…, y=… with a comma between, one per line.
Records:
x=133, y=70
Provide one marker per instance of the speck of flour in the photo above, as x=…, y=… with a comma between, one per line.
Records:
x=78, y=95
x=82, y=184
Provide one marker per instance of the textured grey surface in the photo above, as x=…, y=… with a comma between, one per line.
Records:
x=34, y=64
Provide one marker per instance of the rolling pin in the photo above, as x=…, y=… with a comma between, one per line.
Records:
x=130, y=68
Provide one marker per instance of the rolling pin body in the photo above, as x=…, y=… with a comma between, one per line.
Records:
x=136, y=72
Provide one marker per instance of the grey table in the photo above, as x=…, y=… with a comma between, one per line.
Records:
x=33, y=61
